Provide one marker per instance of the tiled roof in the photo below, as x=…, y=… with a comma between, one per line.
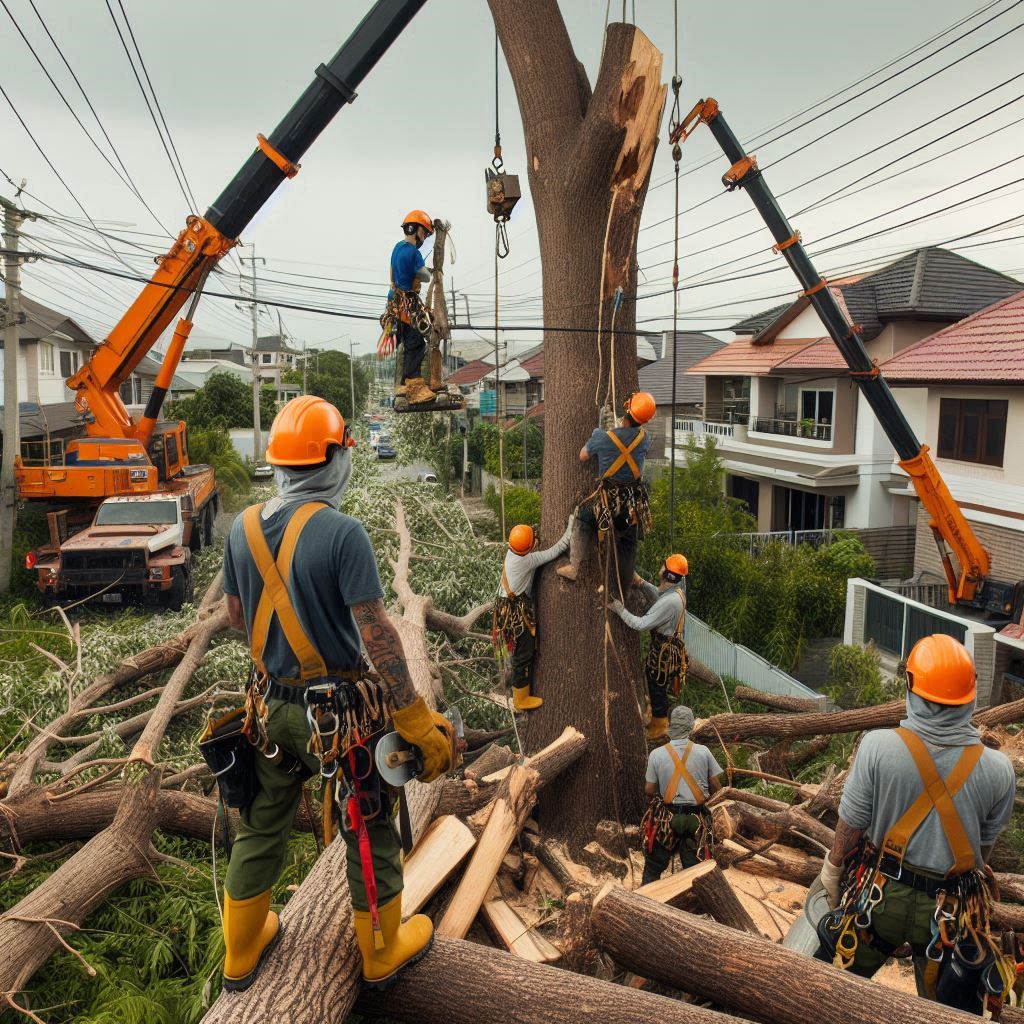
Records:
x=744, y=358
x=691, y=348
x=986, y=347
x=471, y=373
x=41, y=322
x=819, y=355
x=533, y=362
x=757, y=322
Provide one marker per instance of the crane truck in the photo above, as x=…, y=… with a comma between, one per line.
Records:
x=968, y=582
x=129, y=506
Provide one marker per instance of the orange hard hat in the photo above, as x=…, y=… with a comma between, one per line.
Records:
x=939, y=669
x=520, y=539
x=676, y=565
x=641, y=406
x=421, y=218
x=304, y=431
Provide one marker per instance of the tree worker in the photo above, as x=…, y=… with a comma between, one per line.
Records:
x=619, y=503
x=515, y=619
x=920, y=811
x=301, y=581
x=666, y=654
x=681, y=775
x=408, y=273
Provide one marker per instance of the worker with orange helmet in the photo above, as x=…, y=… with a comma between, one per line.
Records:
x=408, y=272
x=301, y=582
x=619, y=504
x=515, y=619
x=665, y=664
x=921, y=809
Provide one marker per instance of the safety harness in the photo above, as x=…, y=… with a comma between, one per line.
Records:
x=656, y=825
x=403, y=307
x=964, y=965
x=347, y=710
x=618, y=504
x=666, y=660
x=513, y=616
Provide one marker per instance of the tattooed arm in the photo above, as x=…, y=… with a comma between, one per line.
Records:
x=847, y=837
x=384, y=647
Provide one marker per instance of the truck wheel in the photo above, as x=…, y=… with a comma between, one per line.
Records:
x=208, y=517
x=181, y=591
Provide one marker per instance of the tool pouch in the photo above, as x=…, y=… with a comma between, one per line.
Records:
x=966, y=978
x=231, y=758
x=656, y=826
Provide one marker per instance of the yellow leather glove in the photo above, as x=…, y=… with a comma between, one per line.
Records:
x=432, y=734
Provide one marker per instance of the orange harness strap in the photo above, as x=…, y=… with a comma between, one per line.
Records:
x=275, y=599
x=938, y=795
x=625, y=456
x=505, y=583
x=680, y=774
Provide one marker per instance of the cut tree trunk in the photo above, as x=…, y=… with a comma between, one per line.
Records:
x=746, y=973
x=776, y=700
x=461, y=983
x=716, y=897
x=589, y=158
x=818, y=723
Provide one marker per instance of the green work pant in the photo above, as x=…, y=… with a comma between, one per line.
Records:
x=903, y=915
x=257, y=856
x=659, y=858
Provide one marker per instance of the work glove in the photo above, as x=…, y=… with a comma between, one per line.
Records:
x=432, y=734
x=616, y=606
x=831, y=877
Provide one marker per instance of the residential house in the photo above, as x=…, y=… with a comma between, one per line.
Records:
x=219, y=348
x=275, y=359
x=135, y=391
x=800, y=444
x=194, y=372
x=690, y=348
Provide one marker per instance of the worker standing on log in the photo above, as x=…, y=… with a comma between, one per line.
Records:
x=515, y=619
x=408, y=274
x=619, y=503
x=681, y=775
x=920, y=812
x=665, y=664
x=301, y=581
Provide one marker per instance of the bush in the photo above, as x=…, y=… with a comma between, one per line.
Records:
x=522, y=505
x=213, y=446
x=224, y=401
x=855, y=676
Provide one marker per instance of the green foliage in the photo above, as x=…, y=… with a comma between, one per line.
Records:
x=522, y=505
x=513, y=450
x=30, y=531
x=213, y=446
x=328, y=377
x=224, y=401
x=428, y=437
x=855, y=677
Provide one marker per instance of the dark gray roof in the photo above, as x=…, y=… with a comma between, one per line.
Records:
x=691, y=348
x=273, y=343
x=55, y=418
x=759, y=321
x=41, y=322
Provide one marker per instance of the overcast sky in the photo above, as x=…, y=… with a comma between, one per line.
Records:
x=421, y=131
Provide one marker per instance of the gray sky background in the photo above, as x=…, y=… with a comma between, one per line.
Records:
x=421, y=131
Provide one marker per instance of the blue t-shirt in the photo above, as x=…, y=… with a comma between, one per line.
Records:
x=405, y=261
x=333, y=569
x=601, y=447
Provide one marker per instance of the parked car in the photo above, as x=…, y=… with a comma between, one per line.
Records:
x=262, y=472
x=384, y=449
x=426, y=478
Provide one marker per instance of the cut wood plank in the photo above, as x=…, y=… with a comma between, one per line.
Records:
x=674, y=887
x=512, y=932
x=441, y=849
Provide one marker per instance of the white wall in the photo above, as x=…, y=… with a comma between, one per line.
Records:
x=807, y=325
x=36, y=384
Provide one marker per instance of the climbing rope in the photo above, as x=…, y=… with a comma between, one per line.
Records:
x=677, y=153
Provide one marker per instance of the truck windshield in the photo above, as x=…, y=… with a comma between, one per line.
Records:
x=128, y=513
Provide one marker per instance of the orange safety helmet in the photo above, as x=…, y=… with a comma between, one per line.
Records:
x=675, y=565
x=641, y=406
x=304, y=431
x=421, y=218
x=520, y=539
x=939, y=669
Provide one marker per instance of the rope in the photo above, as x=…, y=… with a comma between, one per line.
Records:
x=497, y=381
x=676, y=156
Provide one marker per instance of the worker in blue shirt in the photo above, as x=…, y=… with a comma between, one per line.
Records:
x=408, y=273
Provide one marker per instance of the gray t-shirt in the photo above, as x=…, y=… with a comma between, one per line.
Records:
x=332, y=570
x=884, y=782
x=662, y=615
x=601, y=447
x=701, y=764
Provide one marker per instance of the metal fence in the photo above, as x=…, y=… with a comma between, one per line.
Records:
x=755, y=543
x=729, y=659
x=895, y=626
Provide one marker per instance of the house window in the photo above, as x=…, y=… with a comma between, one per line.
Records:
x=267, y=357
x=817, y=406
x=46, y=357
x=736, y=399
x=837, y=511
x=972, y=430
x=69, y=363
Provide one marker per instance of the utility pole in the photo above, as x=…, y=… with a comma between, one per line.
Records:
x=305, y=369
x=14, y=317
x=257, y=437
x=352, y=375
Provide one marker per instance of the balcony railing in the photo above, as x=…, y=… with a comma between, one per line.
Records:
x=699, y=427
x=804, y=429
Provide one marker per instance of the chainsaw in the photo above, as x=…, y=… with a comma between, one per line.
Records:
x=398, y=761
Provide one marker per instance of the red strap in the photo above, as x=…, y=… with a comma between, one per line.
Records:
x=358, y=825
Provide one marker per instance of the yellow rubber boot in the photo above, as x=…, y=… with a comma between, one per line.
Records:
x=403, y=944
x=657, y=730
x=418, y=392
x=523, y=701
x=251, y=930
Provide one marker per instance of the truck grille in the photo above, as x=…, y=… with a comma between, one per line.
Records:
x=81, y=568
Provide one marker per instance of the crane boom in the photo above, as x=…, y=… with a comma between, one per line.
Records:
x=968, y=582
x=181, y=272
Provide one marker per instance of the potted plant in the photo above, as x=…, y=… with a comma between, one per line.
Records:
x=807, y=427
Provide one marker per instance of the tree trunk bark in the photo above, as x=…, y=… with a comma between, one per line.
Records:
x=746, y=973
x=823, y=723
x=588, y=160
x=775, y=700
x=462, y=983
x=717, y=898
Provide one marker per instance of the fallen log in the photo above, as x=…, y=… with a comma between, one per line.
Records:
x=462, y=983
x=1001, y=714
x=674, y=888
x=569, y=875
x=772, y=860
x=818, y=723
x=745, y=973
x=508, y=814
x=1011, y=887
x=716, y=898
x=776, y=700
x=1007, y=917
x=750, y=821
x=698, y=670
